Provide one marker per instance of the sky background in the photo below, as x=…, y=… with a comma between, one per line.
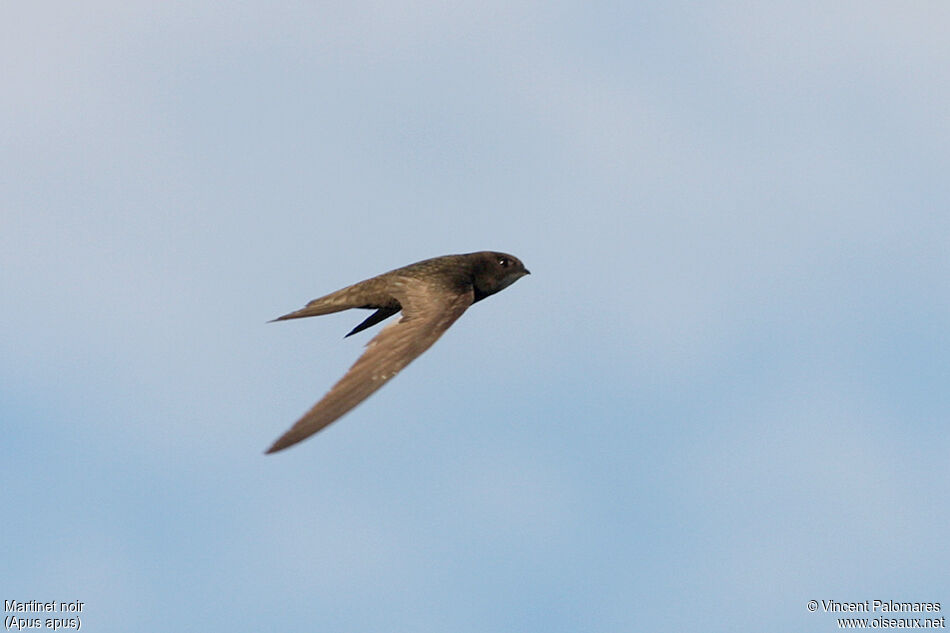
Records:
x=722, y=392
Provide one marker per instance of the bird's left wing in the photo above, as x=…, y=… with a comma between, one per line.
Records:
x=427, y=311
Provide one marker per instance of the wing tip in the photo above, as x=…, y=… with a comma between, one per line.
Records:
x=284, y=317
x=284, y=441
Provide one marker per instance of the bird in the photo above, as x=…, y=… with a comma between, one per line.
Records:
x=431, y=295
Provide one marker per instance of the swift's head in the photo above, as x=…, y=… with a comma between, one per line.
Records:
x=493, y=272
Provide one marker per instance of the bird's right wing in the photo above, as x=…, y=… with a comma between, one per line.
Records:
x=427, y=312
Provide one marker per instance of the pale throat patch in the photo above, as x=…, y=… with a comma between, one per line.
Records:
x=508, y=280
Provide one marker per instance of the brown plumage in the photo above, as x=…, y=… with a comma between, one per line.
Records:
x=431, y=294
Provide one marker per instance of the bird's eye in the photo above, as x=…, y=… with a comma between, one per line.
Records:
x=505, y=263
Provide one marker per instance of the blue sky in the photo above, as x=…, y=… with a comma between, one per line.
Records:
x=721, y=393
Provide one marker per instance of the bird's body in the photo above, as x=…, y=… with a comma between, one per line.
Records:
x=431, y=294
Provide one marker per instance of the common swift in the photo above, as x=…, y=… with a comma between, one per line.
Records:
x=431, y=294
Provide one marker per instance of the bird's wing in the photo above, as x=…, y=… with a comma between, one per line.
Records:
x=427, y=312
x=365, y=294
